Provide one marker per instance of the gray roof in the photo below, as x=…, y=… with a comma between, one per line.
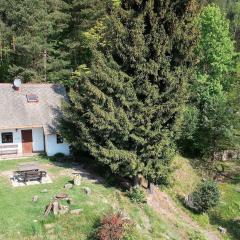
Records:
x=17, y=112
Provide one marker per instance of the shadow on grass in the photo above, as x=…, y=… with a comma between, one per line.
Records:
x=232, y=225
x=88, y=168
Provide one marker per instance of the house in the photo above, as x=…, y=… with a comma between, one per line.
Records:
x=29, y=115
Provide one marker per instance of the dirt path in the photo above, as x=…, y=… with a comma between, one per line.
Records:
x=166, y=207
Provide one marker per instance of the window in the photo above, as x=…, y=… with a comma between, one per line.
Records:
x=32, y=98
x=7, y=137
x=59, y=139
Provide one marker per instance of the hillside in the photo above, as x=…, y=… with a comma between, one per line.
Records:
x=161, y=218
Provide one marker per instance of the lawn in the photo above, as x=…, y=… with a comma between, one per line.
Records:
x=21, y=218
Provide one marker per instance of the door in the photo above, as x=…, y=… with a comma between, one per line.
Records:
x=27, y=141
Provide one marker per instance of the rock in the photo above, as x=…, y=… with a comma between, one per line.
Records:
x=63, y=209
x=68, y=186
x=35, y=198
x=87, y=190
x=77, y=180
x=49, y=226
x=76, y=211
x=125, y=185
x=61, y=196
x=44, y=191
x=55, y=205
x=222, y=230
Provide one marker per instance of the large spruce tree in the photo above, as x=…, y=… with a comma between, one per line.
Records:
x=125, y=106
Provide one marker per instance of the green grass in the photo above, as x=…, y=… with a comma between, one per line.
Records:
x=21, y=218
x=227, y=213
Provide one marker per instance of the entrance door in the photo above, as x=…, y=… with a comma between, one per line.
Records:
x=27, y=141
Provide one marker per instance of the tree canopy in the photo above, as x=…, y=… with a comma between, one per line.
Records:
x=126, y=104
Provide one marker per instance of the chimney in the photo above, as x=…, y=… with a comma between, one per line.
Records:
x=16, y=84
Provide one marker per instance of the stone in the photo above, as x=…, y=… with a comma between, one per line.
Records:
x=49, y=226
x=55, y=207
x=68, y=186
x=222, y=230
x=44, y=191
x=35, y=198
x=61, y=196
x=87, y=190
x=77, y=180
x=63, y=209
x=76, y=211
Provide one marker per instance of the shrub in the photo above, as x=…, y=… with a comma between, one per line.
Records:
x=113, y=227
x=59, y=155
x=204, y=197
x=137, y=195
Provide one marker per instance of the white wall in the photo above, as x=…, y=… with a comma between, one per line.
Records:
x=38, y=139
x=37, y=136
x=17, y=138
x=52, y=147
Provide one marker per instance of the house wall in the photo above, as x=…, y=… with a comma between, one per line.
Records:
x=38, y=139
x=52, y=147
x=17, y=138
x=37, y=135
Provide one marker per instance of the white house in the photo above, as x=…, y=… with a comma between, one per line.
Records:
x=29, y=117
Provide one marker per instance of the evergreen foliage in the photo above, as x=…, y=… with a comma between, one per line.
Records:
x=31, y=40
x=84, y=29
x=126, y=104
x=205, y=196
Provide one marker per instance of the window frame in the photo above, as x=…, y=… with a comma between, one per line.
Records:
x=3, y=138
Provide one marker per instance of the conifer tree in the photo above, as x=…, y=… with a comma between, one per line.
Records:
x=86, y=21
x=32, y=34
x=126, y=104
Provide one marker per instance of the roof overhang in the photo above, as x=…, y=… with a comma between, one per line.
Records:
x=20, y=127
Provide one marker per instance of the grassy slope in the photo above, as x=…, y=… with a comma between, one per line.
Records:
x=19, y=214
x=227, y=214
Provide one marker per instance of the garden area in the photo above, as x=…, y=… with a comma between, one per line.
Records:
x=22, y=208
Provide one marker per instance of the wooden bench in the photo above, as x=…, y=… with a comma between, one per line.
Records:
x=8, y=149
x=25, y=176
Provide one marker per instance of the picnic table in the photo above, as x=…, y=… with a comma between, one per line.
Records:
x=28, y=167
x=29, y=172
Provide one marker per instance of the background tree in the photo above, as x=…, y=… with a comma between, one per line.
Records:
x=126, y=104
x=212, y=119
x=32, y=34
x=84, y=28
x=232, y=10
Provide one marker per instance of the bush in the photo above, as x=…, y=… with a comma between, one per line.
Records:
x=137, y=195
x=113, y=227
x=59, y=155
x=204, y=197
